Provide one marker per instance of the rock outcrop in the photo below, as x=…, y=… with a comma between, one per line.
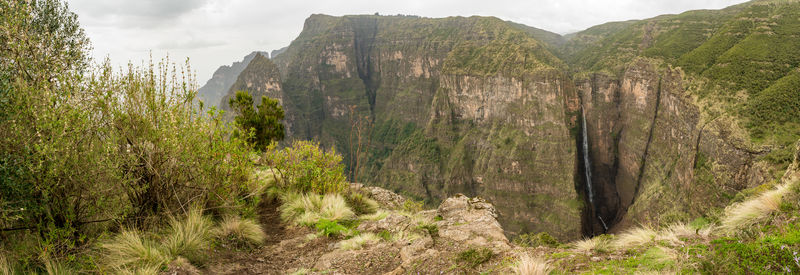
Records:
x=215, y=88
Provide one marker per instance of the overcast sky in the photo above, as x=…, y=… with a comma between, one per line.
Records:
x=218, y=32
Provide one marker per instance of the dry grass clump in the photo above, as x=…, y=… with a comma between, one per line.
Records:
x=359, y=241
x=5, y=264
x=598, y=244
x=377, y=216
x=128, y=250
x=53, y=267
x=528, y=265
x=240, y=230
x=635, y=237
x=751, y=211
x=308, y=209
x=189, y=237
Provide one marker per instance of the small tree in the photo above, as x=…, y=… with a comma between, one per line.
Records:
x=264, y=122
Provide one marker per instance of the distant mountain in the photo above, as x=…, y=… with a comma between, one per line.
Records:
x=221, y=81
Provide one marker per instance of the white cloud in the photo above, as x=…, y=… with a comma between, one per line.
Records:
x=217, y=32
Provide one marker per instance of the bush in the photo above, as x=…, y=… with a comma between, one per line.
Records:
x=304, y=167
x=262, y=124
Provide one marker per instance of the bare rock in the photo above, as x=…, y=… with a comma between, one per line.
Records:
x=473, y=221
x=385, y=198
x=416, y=248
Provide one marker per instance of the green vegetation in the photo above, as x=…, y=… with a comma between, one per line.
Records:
x=475, y=256
x=261, y=125
x=304, y=167
x=537, y=239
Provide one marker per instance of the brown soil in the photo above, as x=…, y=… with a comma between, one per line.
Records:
x=272, y=257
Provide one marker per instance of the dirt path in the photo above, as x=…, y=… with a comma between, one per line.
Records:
x=285, y=249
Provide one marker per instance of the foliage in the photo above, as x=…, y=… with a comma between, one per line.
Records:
x=263, y=123
x=535, y=240
x=330, y=228
x=475, y=256
x=304, y=167
x=767, y=255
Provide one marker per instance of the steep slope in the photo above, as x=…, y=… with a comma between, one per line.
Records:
x=215, y=88
x=677, y=108
x=470, y=105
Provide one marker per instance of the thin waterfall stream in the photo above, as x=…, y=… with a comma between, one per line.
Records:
x=587, y=168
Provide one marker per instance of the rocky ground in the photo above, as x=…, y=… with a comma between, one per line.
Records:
x=461, y=225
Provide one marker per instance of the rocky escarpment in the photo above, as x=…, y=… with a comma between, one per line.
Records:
x=681, y=111
x=215, y=88
x=447, y=114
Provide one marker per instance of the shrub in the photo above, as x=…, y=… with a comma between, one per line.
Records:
x=474, y=257
x=128, y=250
x=240, y=231
x=528, y=265
x=412, y=206
x=262, y=124
x=304, y=167
x=189, y=237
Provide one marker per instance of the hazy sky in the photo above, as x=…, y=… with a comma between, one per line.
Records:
x=218, y=32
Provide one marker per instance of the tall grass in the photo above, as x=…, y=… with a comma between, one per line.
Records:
x=359, y=241
x=189, y=237
x=308, y=209
x=751, y=211
x=240, y=230
x=598, y=244
x=635, y=237
x=529, y=265
x=5, y=264
x=129, y=250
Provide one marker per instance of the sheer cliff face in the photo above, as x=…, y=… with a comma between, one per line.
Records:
x=459, y=105
x=482, y=107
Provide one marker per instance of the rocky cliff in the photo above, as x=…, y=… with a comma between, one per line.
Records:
x=215, y=88
x=682, y=112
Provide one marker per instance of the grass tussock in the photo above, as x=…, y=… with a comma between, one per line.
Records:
x=596, y=244
x=529, y=265
x=359, y=241
x=53, y=267
x=239, y=230
x=5, y=265
x=635, y=237
x=309, y=209
x=129, y=250
x=751, y=211
x=361, y=204
x=189, y=237
x=377, y=216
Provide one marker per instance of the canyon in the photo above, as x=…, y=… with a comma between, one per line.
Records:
x=636, y=122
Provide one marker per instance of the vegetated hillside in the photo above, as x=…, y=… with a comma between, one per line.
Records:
x=215, y=88
x=698, y=104
x=677, y=107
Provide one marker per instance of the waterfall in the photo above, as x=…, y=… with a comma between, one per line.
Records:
x=587, y=166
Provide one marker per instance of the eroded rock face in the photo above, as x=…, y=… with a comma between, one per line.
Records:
x=655, y=155
x=473, y=221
